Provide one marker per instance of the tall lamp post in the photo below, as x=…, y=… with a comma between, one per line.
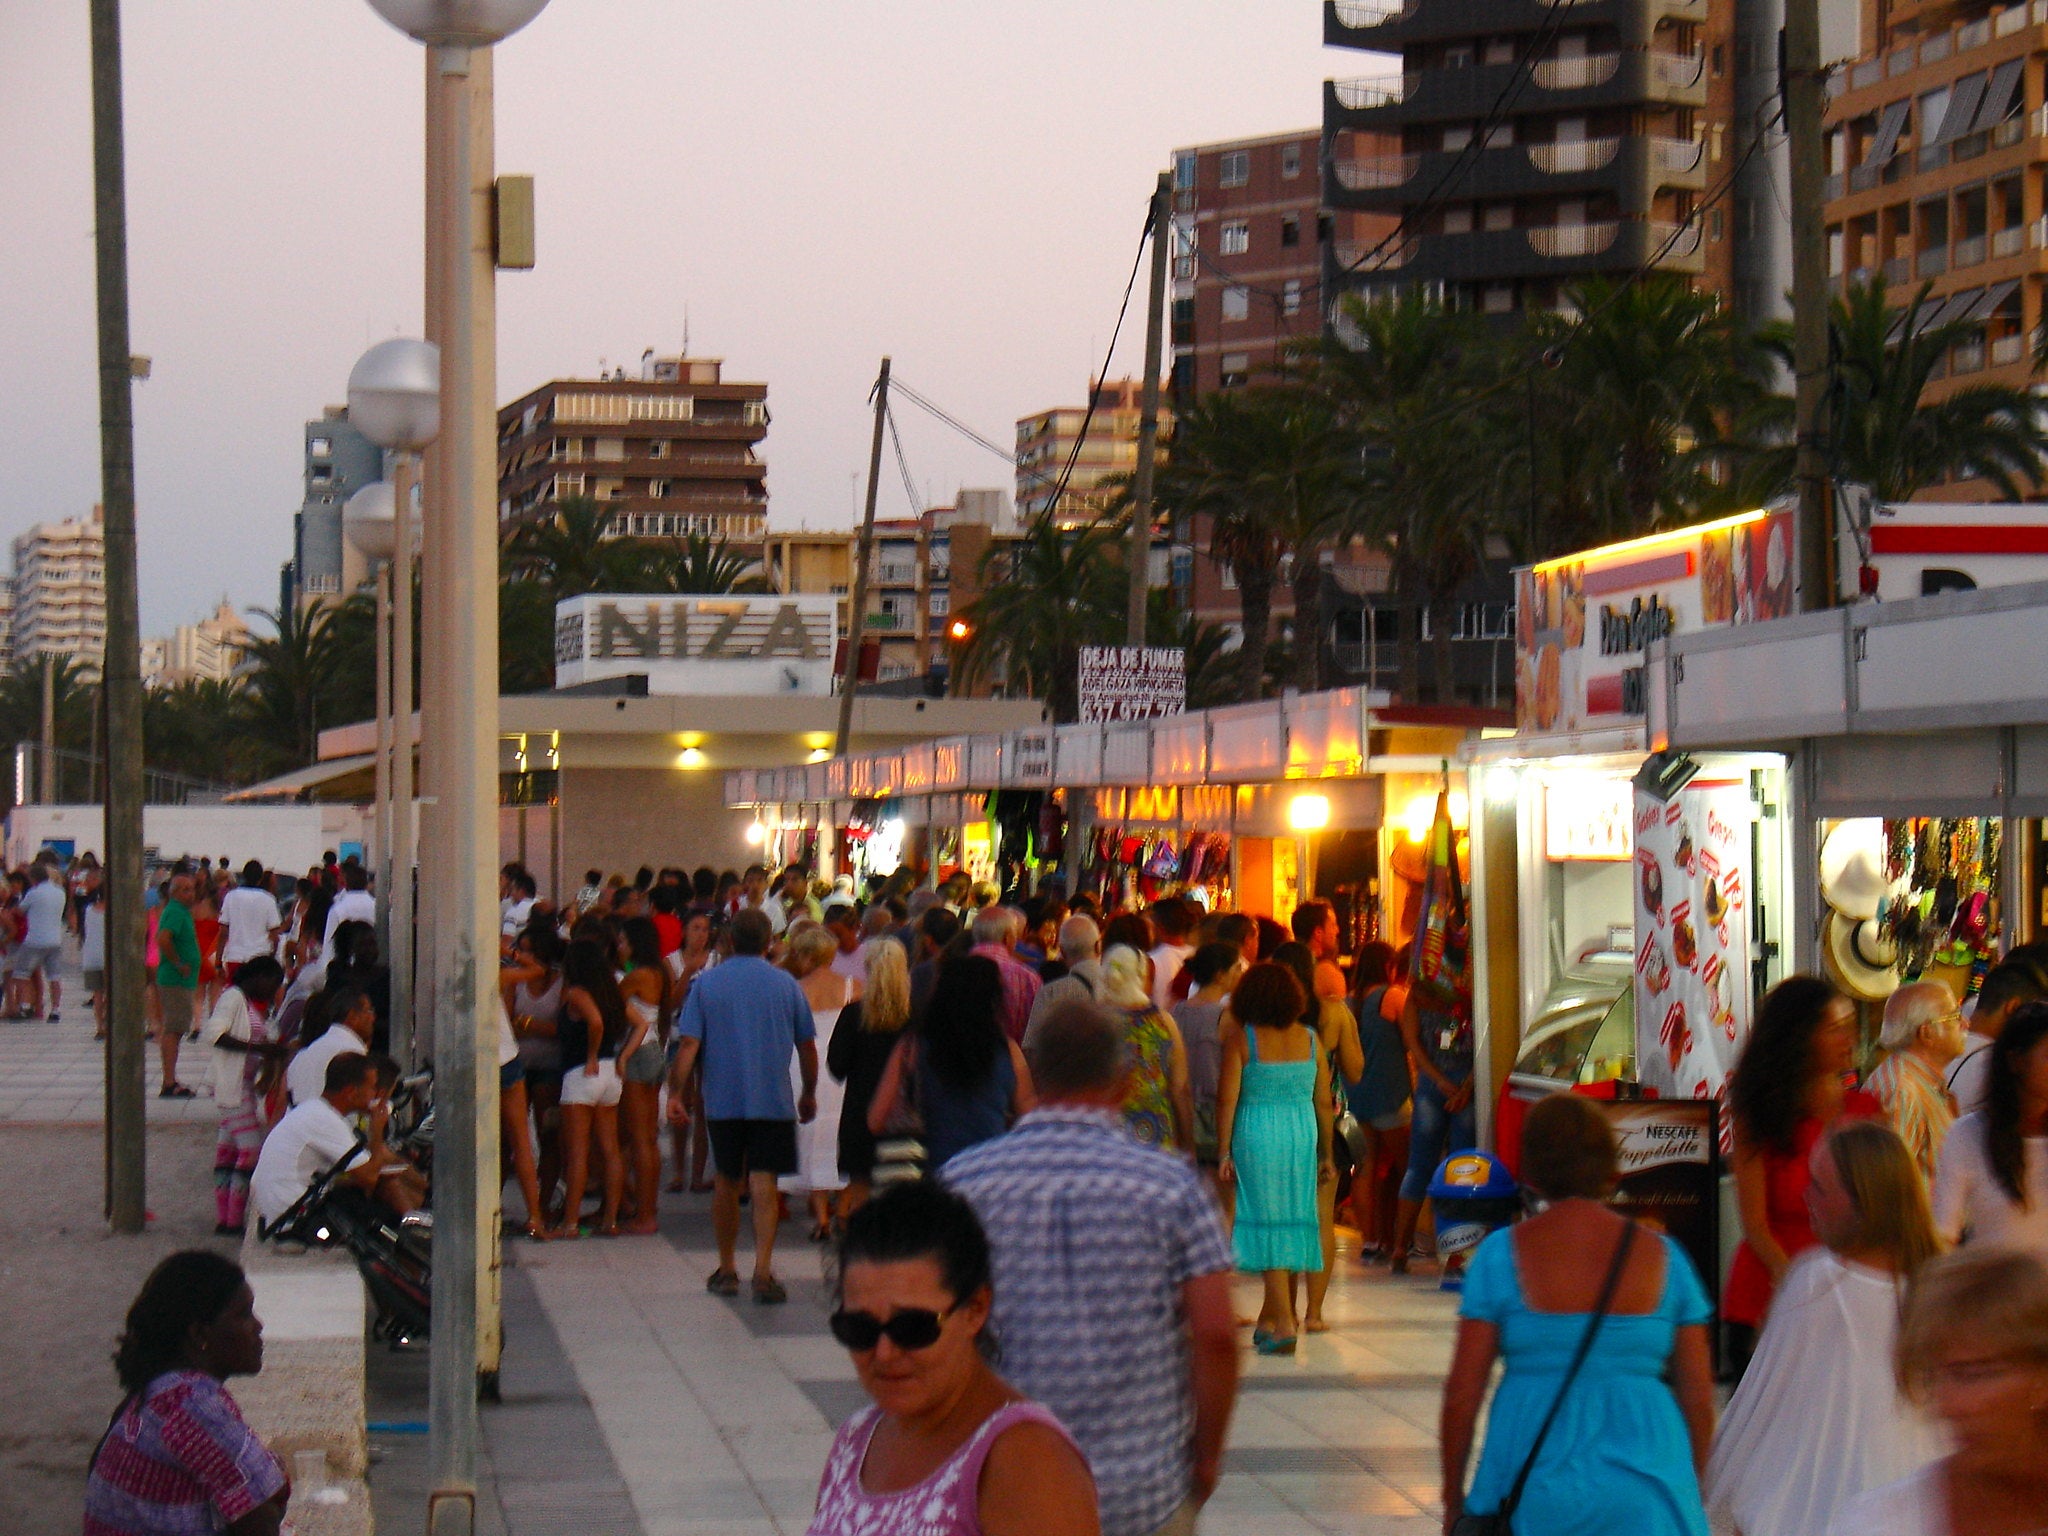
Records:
x=366, y=523
x=394, y=399
x=459, y=712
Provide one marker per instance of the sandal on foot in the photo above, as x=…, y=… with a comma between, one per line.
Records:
x=1272, y=1345
x=769, y=1292
x=723, y=1282
x=175, y=1091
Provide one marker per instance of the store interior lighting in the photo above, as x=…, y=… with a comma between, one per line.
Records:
x=756, y=833
x=691, y=757
x=1308, y=813
x=1420, y=814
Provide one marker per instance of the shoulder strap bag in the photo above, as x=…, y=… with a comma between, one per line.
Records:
x=1500, y=1522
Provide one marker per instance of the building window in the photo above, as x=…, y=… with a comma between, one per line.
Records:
x=1237, y=302
x=1324, y=226
x=755, y=413
x=1234, y=168
x=320, y=447
x=657, y=449
x=1290, y=229
x=1184, y=170
x=1184, y=238
x=1716, y=228
x=1235, y=238
x=1456, y=137
x=1500, y=216
x=1498, y=299
x=1236, y=370
x=1290, y=297
x=1458, y=56
x=1458, y=219
x=659, y=488
x=1290, y=161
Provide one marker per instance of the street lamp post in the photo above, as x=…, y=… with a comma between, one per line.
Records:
x=366, y=521
x=459, y=733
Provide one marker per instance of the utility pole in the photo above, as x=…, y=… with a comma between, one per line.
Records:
x=121, y=666
x=1140, y=556
x=1803, y=85
x=856, y=621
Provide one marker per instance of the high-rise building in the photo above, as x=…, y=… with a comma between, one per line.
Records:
x=1045, y=444
x=1936, y=140
x=1249, y=230
x=670, y=454
x=1538, y=145
x=339, y=461
x=60, y=593
x=208, y=650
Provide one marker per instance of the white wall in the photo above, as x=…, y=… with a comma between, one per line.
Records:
x=286, y=837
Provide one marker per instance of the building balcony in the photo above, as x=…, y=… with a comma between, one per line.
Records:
x=1557, y=251
x=1388, y=26
x=1632, y=169
x=1383, y=103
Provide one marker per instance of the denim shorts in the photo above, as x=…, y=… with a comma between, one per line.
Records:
x=1433, y=1135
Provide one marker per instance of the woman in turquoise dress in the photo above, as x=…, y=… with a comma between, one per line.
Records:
x=1273, y=1142
x=1626, y=1448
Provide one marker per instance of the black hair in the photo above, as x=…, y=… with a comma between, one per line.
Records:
x=939, y=924
x=252, y=872
x=347, y=935
x=1130, y=928
x=2002, y=1136
x=1375, y=965
x=346, y=1071
x=1234, y=928
x=643, y=943
x=540, y=936
x=187, y=1290
x=1767, y=1091
x=1271, y=936
x=751, y=932
x=666, y=898
x=1173, y=918
x=587, y=964
x=256, y=970
x=960, y=1029
x=703, y=882
x=922, y=1219
x=385, y=1068
x=1308, y=918
x=1268, y=996
x=343, y=998
x=1296, y=957
x=643, y=878
x=2014, y=981
x=1210, y=961
x=354, y=876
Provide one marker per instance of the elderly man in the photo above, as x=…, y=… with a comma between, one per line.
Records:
x=996, y=932
x=1112, y=1281
x=1923, y=1031
x=1081, y=953
x=2006, y=988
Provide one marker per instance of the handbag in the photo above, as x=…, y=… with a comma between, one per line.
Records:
x=899, y=1147
x=1500, y=1522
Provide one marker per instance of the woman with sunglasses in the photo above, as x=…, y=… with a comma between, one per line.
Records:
x=948, y=1447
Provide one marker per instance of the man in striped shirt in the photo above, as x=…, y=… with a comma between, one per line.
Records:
x=1923, y=1031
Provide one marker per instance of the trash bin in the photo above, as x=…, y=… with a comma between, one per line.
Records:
x=1472, y=1196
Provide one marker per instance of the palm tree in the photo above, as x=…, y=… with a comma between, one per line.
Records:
x=526, y=637
x=1042, y=599
x=700, y=565
x=291, y=675
x=571, y=550
x=1884, y=435
x=193, y=729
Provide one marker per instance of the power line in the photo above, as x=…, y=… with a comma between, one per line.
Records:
x=902, y=462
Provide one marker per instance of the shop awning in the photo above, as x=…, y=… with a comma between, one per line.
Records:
x=1989, y=301
x=1962, y=110
x=1885, y=142
x=331, y=776
x=1999, y=96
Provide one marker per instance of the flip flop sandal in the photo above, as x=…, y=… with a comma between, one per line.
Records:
x=723, y=1282
x=769, y=1293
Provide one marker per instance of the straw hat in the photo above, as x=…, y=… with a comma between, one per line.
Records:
x=1852, y=877
x=1862, y=956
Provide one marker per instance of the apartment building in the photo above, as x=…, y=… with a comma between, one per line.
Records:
x=1538, y=145
x=209, y=650
x=671, y=453
x=1937, y=144
x=59, y=589
x=338, y=461
x=1045, y=442
x=1249, y=229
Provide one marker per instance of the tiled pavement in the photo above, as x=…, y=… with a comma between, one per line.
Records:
x=634, y=1404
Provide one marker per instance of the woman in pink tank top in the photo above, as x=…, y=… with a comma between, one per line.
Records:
x=948, y=1447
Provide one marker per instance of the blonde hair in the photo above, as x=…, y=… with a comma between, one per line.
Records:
x=812, y=948
x=885, y=1001
x=1890, y=1196
x=1123, y=978
x=1997, y=1294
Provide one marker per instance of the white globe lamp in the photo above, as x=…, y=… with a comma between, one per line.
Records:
x=394, y=394
x=458, y=23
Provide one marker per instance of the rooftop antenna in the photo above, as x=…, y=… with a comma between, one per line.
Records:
x=686, y=330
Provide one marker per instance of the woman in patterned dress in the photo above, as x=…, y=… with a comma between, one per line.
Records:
x=1160, y=1109
x=948, y=1448
x=248, y=1061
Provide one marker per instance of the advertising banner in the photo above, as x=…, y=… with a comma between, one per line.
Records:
x=1692, y=906
x=761, y=644
x=1133, y=682
x=1671, y=1173
x=1583, y=622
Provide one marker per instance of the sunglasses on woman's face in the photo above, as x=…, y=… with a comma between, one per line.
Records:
x=906, y=1328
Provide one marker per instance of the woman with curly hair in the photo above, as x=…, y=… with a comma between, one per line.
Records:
x=1789, y=1086
x=178, y=1456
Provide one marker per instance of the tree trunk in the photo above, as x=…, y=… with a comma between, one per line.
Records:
x=1407, y=638
x=1308, y=620
x=1443, y=614
x=1255, y=600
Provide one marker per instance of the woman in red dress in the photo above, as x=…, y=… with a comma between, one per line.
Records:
x=1789, y=1086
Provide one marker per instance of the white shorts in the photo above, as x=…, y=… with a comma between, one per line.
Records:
x=599, y=1091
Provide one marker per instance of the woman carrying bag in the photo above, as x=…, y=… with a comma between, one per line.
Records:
x=1592, y=1317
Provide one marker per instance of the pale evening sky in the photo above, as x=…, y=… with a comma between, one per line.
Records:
x=959, y=184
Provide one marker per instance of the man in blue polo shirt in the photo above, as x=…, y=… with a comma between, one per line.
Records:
x=746, y=1016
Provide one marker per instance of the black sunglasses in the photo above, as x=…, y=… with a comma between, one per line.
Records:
x=909, y=1328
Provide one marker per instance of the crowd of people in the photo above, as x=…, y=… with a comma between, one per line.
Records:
x=1066, y=1127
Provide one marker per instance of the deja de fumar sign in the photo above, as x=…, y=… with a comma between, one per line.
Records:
x=699, y=645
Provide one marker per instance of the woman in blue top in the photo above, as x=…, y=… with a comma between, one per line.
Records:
x=969, y=1080
x=1626, y=1449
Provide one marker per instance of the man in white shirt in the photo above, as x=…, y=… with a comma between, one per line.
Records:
x=43, y=940
x=791, y=899
x=2006, y=988
x=518, y=892
x=248, y=921
x=1173, y=920
x=317, y=1134
x=355, y=904
x=355, y=1017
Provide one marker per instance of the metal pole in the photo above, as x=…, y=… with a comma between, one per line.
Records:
x=382, y=814
x=1140, y=556
x=399, y=888
x=857, y=614
x=121, y=673
x=1804, y=83
x=461, y=583
x=48, y=795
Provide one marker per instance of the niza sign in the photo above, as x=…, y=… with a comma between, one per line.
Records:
x=698, y=645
